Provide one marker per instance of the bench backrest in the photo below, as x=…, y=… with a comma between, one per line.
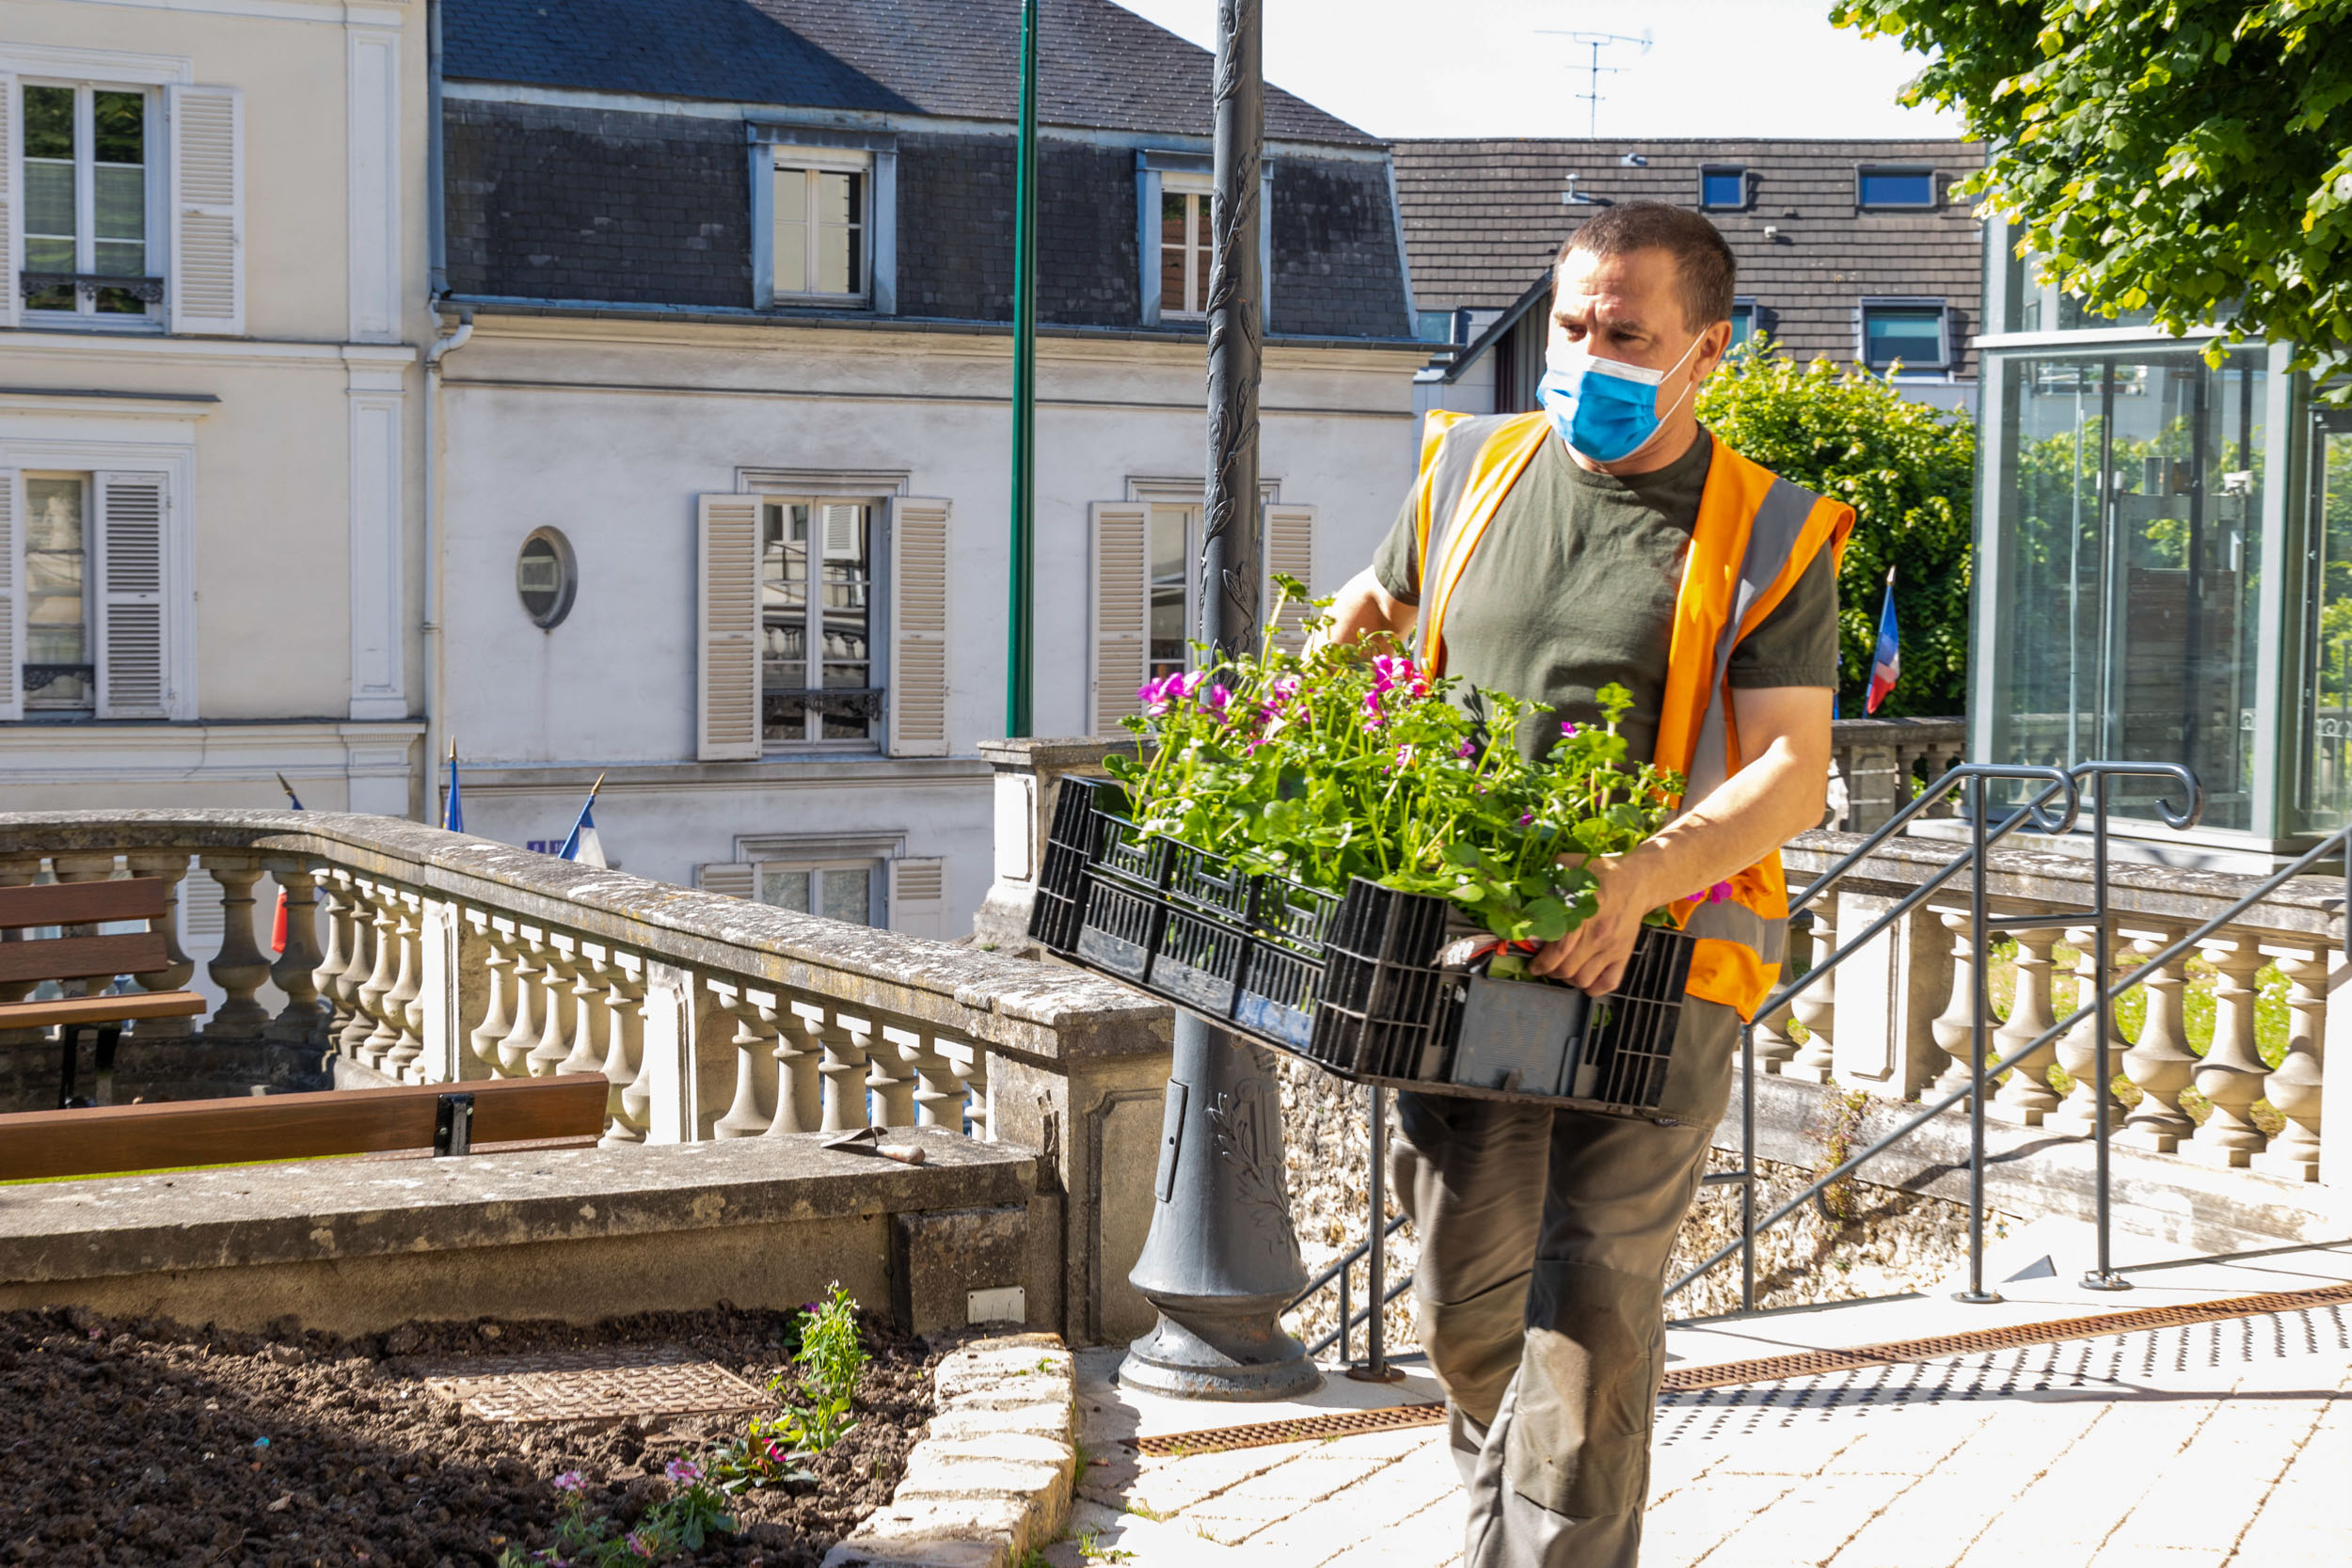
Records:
x=177, y=1133
x=83, y=957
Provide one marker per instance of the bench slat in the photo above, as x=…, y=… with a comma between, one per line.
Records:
x=84, y=903
x=174, y=1133
x=102, y=1009
x=83, y=957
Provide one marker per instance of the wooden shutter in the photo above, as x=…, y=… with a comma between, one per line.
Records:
x=1122, y=611
x=1290, y=549
x=8, y=122
x=918, y=897
x=207, y=286
x=727, y=690
x=134, y=672
x=735, y=879
x=11, y=616
x=918, y=629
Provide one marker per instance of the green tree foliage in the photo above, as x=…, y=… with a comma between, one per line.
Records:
x=1908, y=472
x=2190, y=158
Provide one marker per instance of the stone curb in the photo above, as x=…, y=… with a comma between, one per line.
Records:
x=990, y=1480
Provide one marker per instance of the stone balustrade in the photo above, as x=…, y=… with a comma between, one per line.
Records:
x=422, y=956
x=1878, y=765
x=1895, y=1017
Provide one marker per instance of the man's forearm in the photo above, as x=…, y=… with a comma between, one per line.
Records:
x=1748, y=817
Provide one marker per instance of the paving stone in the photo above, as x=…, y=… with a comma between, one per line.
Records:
x=1811, y=1522
x=1351, y=1525
x=1308, y=1479
x=1696, y=1520
x=1032, y=1419
x=1929, y=1524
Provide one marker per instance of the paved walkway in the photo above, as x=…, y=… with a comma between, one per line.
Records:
x=2224, y=1442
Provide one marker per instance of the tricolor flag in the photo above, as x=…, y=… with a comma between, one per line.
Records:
x=1887, y=664
x=452, y=810
x=583, y=846
x=277, y=927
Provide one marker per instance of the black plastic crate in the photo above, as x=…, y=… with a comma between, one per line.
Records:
x=1351, y=982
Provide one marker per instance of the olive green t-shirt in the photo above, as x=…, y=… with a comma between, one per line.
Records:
x=1574, y=585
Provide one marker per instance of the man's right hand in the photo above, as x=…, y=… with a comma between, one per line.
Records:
x=1363, y=607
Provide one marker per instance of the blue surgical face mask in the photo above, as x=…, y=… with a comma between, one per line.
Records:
x=1604, y=408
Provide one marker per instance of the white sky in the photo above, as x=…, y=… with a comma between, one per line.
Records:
x=1488, y=68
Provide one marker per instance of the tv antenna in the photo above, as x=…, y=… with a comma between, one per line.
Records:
x=1597, y=42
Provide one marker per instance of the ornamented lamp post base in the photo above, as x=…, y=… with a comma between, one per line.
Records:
x=1222, y=1260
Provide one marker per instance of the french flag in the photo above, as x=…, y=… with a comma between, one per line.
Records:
x=584, y=845
x=1887, y=664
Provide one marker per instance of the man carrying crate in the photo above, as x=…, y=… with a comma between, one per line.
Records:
x=1608, y=538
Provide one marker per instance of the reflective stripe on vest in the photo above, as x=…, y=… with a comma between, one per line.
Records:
x=1754, y=536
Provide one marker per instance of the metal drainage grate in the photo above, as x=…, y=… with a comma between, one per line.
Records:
x=1305, y=1428
x=1774, y=1369
x=602, y=1387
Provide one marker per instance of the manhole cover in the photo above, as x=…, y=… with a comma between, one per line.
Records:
x=592, y=1386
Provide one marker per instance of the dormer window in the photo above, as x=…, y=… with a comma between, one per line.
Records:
x=820, y=226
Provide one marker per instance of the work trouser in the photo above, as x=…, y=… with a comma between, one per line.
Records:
x=1545, y=1236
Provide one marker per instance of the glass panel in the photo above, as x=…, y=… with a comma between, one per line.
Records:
x=118, y=127
x=1723, y=187
x=791, y=231
x=1897, y=188
x=1203, y=251
x=1170, y=571
x=785, y=889
x=49, y=123
x=2324, y=780
x=784, y=608
x=57, y=618
x=848, y=894
x=49, y=204
x=837, y=213
x=1914, y=336
x=1742, y=324
x=846, y=610
x=1172, y=254
x=2131, y=538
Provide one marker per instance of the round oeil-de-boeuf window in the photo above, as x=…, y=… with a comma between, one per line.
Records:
x=545, y=576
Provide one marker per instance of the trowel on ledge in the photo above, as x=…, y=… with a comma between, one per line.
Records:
x=868, y=1140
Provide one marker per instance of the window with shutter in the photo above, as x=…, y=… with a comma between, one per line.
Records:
x=1119, y=613
x=728, y=586
x=1290, y=549
x=133, y=680
x=9, y=137
x=207, y=284
x=734, y=879
x=918, y=897
x=11, y=578
x=918, y=627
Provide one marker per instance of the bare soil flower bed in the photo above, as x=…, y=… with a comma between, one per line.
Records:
x=149, y=1444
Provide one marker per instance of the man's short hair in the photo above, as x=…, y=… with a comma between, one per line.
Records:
x=1707, y=273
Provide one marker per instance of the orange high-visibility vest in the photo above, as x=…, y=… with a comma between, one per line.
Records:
x=1756, y=535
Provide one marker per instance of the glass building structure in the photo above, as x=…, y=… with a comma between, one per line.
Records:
x=2164, y=566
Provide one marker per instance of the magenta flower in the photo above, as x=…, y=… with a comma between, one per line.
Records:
x=1525, y=817
x=1465, y=750
x=1719, y=894
x=639, y=1543
x=1566, y=730
x=683, y=1471
x=568, y=1482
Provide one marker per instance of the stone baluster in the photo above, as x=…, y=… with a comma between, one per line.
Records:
x=799, y=1094
x=754, y=1064
x=939, y=1094
x=2159, y=1064
x=328, y=977
x=890, y=1076
x=498, y=1015
x=375, y=995
x=591, y=1034
x=405, y=1002
x=1953, y=1028
x=2027, y=1097
x=170, y=867
x=2230, y=1074
x=2293, y=1087
x=1816, y=1006
x=365, y=952
x=624, y=1045
x=972, y=1061
x=22, y=871
x=546, y=1058
x=2078, y=1048
x=844, y=1071
x=305, y=1016
x=516, y=1046
x=241, y=968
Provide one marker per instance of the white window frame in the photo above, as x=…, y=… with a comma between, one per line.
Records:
x=1198, y=190
x=85, y=316
x=877, y=615
x=1157, y=172
x=94, y=568
x=775, y=160
x=877, y=882
x=1869, y=303
x=177, y=464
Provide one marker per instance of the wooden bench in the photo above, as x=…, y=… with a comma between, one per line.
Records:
x=89, y=957
x=448, y=1118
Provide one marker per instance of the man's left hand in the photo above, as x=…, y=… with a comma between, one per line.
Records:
x=1594, y=956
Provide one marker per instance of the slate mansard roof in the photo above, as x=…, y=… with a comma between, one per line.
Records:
x=1482, y=219
x=1099, y=66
